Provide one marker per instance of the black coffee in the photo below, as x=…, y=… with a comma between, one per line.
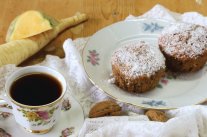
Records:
x=36, y=89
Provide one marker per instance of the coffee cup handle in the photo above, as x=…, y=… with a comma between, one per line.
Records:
x=5, y=104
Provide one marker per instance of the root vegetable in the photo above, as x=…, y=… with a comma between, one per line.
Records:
x=15, y=52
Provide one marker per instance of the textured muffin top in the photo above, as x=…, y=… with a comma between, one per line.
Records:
x=138, y=58
x=183, y=40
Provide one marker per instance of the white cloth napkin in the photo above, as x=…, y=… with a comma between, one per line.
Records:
x=189, y=121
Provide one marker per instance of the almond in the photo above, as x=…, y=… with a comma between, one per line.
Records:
x=156, y=115
x=105, y=108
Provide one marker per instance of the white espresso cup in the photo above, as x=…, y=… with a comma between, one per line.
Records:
x=35, y=119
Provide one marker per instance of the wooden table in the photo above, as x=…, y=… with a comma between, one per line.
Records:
x=101, y=13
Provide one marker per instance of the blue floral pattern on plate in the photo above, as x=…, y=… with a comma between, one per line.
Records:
x=152, y=27
x=154, y=103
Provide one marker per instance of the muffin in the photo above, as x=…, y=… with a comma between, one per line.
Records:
x=137, y=66
x=184, y=47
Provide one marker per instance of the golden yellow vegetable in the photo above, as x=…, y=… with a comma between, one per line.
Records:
x=17, y=51
x=28, y=24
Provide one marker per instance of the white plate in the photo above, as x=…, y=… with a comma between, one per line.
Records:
x=69, y=124
x=170, y=93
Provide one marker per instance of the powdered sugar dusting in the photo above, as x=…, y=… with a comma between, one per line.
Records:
x=184, y=40
x=137, y=58
x=111, y=80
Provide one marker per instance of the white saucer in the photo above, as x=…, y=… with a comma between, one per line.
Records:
x=70, y=122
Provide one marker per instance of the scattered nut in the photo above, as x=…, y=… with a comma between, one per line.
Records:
x=156, y=115
x=105, y=108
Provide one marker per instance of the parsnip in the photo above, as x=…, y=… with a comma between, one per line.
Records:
x=15, y=52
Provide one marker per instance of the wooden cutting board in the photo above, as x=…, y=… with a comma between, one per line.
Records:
x=101, y=13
